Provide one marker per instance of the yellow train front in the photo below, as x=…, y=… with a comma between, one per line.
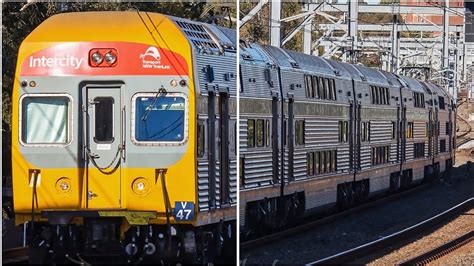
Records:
x=122, y=142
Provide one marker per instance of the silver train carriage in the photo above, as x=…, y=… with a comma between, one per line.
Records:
x=317, y=133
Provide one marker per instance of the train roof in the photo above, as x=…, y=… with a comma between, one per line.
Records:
x=130, y=26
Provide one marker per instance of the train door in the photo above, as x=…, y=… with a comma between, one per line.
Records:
x=224, y=155
x=103, y=149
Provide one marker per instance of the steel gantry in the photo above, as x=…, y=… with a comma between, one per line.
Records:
x=402, y=46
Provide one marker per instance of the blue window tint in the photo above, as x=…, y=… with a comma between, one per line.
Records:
x=159, y=119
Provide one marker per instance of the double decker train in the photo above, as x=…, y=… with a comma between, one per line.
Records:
x=317, y=134
x=122, y=139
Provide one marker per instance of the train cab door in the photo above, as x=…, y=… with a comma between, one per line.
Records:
x=103, y=147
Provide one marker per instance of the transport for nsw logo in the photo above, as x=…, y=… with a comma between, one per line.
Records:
x=152, y=59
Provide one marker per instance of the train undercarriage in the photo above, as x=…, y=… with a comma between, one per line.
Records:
x=99, y=240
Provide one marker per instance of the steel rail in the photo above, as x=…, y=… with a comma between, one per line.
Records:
x=440, y=251
x=357, y=252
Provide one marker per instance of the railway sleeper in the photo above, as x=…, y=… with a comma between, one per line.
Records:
x=100, y=241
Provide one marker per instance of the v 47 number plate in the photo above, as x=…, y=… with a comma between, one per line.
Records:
x=183, y=210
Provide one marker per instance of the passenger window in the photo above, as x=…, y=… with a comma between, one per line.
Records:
x=268, y=133
x=309, y=86
x=317, y=166
x=310, y=161
x=323, y=162
x=316, y=87
x=322, y=91
x=250, y=133
x=441, y=102
x=45, y=120
x=330, y=95
x=326, y=88
x=260, y=133
x=394, y=130
x=300, y=128
x=104, y=119
x=334, y=89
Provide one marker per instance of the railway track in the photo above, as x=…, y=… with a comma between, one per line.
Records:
x=15, y=255
x=261, y=241
x=441, y=251
x=357, y=252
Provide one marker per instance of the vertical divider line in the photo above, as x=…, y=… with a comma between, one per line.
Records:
x=237, y=80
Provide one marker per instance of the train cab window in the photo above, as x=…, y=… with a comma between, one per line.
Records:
x=45, y=120
x=200, y=139
x=251, y=133
x=104, y=119
x=334, y=89
x=260, y=133
x=299, y=136
x=159, y=118
x=441, y=102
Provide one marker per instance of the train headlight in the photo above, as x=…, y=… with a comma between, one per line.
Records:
x=140, y=186
x=110, y=58
x=63, y=184
x=97, y=58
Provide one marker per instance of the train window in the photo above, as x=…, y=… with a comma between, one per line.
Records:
x=326, y=89
x=447, y=128
x=322, y=162
x=334, y=89
x=343, y=131
x=372, y=94
x=160, y=118
x=309, y=86
x=419, y=99
x=299, y=136
x=388, y=95
x=384, y=95
x=200, y=140
x=442, y=145
x=419, y=150
x=365, y=131
x=267, y=137
x=317, y=163
x=260, y=133
x=316, y=87
x=438, y=128
x=409, y=131
x=330, y=95
x=329, y=161
x=310, y=162
x=441, y=102
x=45, y=120
x=321, y=87
x=251, y=133
x=104, y=119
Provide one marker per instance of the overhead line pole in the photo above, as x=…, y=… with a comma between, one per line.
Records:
x=275, y=23
x=353, y=18
x=445, y=64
